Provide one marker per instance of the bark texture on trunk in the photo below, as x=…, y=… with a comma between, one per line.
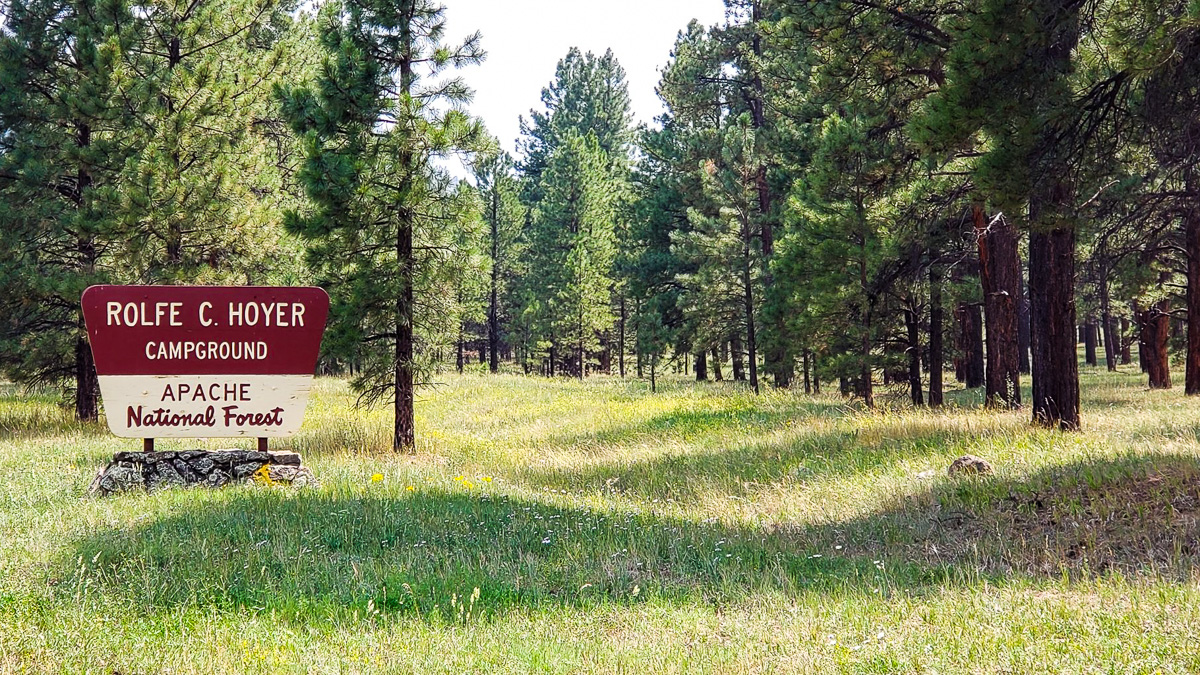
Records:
x=702, y=365
x=999, y=274
x=936, y=357
x=1052, y=305
x=912, y=322
x=1155, y=324
x=971, y=359
x=1089, y=342
x=1192, y=237
x=739, y=365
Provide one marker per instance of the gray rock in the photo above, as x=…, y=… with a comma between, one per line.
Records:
x=970, y=465
x=284, y=458
x=246, y=470
x=117, y=478
x=156, y=470
x=299, y=476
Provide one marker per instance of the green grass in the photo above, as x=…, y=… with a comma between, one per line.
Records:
x=608, y=529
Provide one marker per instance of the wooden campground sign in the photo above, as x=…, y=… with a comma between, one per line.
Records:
x=204, y=362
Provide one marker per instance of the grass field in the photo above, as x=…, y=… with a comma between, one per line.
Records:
x=564, y=527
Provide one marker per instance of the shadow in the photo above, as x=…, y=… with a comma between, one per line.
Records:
x=330, y=554
x=732, y=414
x=800, y=456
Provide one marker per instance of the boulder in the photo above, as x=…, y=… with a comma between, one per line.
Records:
x=970, y=465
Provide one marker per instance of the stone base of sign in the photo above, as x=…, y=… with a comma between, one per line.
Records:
x=208, y=468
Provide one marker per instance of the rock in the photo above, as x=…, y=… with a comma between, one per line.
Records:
x=117, y=479
x=284, y=458
x=246, y=470
x=970, y=465
x=209, y=468
x=300, y=476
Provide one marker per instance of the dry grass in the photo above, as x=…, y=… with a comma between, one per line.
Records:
x=702, y=529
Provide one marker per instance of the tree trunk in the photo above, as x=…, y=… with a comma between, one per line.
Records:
x=1023, y=340
x=493, y=317
x=936, y=357
x=716, y=364
x=735, y=352
x=1126, y=342
x=1192, y=243
x=1052, y=312
x=1089, y=342
x=999, y=274
x=87, y=382
x=807, y=374
x=912, y=322
x=1155, y=325
x=459, y=348
x=405, y=438
x=1111, y=341
x=1052, y=241
x=621, y=339
x=970, y=321
x=702, y=366
x=751, y=338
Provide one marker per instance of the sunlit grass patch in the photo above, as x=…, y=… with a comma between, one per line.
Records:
x=565, y=526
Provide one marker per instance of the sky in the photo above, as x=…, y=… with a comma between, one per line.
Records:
x=525, y=39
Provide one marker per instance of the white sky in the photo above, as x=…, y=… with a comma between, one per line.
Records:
x=525, y=39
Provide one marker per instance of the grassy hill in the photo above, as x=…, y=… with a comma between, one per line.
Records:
x=562, y=527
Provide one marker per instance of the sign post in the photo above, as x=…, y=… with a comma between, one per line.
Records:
x=204, y=362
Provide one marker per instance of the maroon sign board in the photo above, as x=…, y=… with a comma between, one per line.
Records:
x=205, y=361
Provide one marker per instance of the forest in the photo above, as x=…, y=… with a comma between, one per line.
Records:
x=864, y=195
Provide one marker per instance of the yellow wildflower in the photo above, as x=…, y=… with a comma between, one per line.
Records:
x=376, y=478
x=410, y=488
x=487, y=479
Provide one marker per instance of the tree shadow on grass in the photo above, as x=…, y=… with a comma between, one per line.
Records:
x=787, y=461
x=691, y=424
x=324, y=555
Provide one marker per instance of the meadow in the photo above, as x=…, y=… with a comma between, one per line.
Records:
x=556, y=526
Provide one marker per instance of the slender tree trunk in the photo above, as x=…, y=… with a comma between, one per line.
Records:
x=748, y=295
x=1023, y=338
x=1126, y=342
x=87, y=383
x=1192, y=244
x=1052, y=305
x=493, y=317
x=816, y=375
x=999, y=274
x=936, y=357
x=1089, y=342
x=807, y=374
x=1111, y=341
x=621, y=339
x=912, y=322
x=716, y=364
x=459, y=348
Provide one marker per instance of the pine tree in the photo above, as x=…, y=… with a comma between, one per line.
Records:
x=63, y=144
x=371, y=124
x=504, y=215
x=572, y=248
